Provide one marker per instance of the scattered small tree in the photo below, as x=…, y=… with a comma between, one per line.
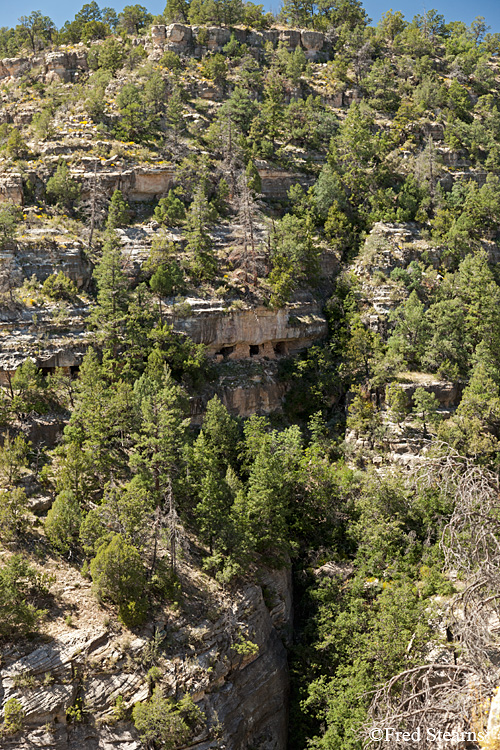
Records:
x=62, y=189
x=170, y=210
x=13, y=716
x=159, y=723
x=118, y=576
x=20, y=587
x=63, y=521
x=16, y=146
x=397, y=401
x=59, y=286
x=118, y=212
x=425, y=406
x=29, y=389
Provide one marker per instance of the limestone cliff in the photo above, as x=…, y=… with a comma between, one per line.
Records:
x=243, y=695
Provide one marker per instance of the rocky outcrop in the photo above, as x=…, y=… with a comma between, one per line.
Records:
x=13, y=67
x=241, y=690
x=198, y=40
x=387, y=247
x=390, y=246
x=11, y=188
x=251, y=332
x=64, y=65
x=276, y=182
x=45, y=251
x=245, y=388
x=262, y=396
x=151, y=183
x=139, y=184
x=448, y=394
x=50, y=343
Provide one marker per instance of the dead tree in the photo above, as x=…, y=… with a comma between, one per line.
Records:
x=247, y=208
x=95, y=207
x=451, y=693
x=173, y=526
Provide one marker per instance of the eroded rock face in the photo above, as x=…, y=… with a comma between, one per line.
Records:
x=277, y=182
x=11, y=189
x=312, y=41
x=448, y=394
x=42, y=256
x=64, y=66
x=55, y=66
x=198, y=40
x=244, y=693
x=141, y=184
x=256, y=332
x=64, y=343
x=146, y=184
x=13, y=67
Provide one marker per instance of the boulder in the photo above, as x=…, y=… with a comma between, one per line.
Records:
x=158, y=34
x=177, y=33
x=218, y=36
x=312, y=40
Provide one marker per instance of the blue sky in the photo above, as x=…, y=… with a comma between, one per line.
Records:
x=453, y=10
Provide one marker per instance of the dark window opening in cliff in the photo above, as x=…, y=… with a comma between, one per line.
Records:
x=47, y=371
x=254, y=350
x=280, y=347
x=74, y=369
x=226, y=351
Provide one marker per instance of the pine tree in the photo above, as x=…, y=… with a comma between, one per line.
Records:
x=175, y=108
x=214, y=452
x=16, y=147
x=94, y=208
x=118, y=211
x=109, y=316
x=29, y=388
x=425, y=406
x=272, y=107
x=62, y=189
x=199, y=243
x=157, y=454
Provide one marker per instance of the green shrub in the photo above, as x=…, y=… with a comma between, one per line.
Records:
x=59, y=286
x=92, y=532
x=159, y=723
x=29, y=389
x=62, y=189
x=13, y=716
x=171, y=61
x=170, y=210
x=20, y=586
x=63, y=521
x=10, y=217
x=108, y=56
x=16, y=146
x=42, y=123
x=118, y=212
x=13, y=509
x=214, y=67
x=167, y=279
x=118, y=576
x=165, y=582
